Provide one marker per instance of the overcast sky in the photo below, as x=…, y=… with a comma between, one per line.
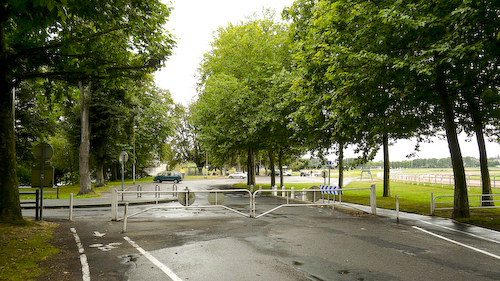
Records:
x=193, y=23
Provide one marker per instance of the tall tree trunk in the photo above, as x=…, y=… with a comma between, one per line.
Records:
x=271, y=166
x=85, y=97
x=341, y=165
x=100, y=165
x=387, y=187
x=251, y=166
x=483, y=158
x=280, y=163
x=461, y=200
x=10, y=208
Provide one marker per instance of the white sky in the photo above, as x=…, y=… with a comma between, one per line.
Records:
x=193, y=23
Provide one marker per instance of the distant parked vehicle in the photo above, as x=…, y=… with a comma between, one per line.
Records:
x=285, y=173
x=168, y=176
x=236, y=175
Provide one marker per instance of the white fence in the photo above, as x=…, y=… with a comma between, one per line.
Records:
x=442, y=179
x=435, y=203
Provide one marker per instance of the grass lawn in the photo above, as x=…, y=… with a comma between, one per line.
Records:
x=22, y=247
x=413, y=199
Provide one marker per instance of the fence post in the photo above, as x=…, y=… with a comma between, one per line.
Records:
x=283, y=192
x=397, y=207
x=71, y=206
x=114, y=201
x=304, y=194
x=373, y=199
x=275, y=190
x=292, y=193
x=432, y=203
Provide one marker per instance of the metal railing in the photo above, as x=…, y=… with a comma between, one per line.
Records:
x=442, y=179
x=186, y=195
x=434, y=202
x=317, y=194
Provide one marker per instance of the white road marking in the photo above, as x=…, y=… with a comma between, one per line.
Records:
x=458, y=243
x=156, y=262
x=83, y=257
x=463, y=232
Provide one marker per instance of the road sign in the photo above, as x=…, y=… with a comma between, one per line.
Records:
x=215, y=198
x=43, y=152
x=123, y=157
x=329, y=163
x=190, y=198
x=48, y=175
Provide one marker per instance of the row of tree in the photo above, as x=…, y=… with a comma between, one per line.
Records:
x=354, y=73
x=69, y=66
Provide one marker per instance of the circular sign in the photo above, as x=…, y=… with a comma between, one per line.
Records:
x=190, y=198
x=215, y=198
x=43, y=151
x=313, y=195
x=123, y=157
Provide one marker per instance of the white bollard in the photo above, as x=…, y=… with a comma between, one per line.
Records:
x=304, y=194
x=71, y=206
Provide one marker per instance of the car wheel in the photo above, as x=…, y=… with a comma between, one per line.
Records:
x=176, y=181
x=230, y=177
x=159, y=181
x=242, y=177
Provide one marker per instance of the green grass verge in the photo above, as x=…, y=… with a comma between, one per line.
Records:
x=22, y=247
x=412, y=199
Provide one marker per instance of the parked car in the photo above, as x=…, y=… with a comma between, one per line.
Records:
x=168, y=176
x=285, y=173
x=236, y=175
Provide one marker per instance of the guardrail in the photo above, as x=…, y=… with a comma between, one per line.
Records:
x=38, y=202
x=186, y=198
x=317, y=194
x=434, y=203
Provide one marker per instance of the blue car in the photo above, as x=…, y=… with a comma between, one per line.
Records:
x=168, y=176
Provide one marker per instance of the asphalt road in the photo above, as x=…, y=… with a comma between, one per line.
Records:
x=292, y=243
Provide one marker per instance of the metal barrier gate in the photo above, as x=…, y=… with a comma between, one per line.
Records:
x=185, y=197
x=317, y=195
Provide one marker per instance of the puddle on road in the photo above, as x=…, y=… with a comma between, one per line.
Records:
x=318, y=269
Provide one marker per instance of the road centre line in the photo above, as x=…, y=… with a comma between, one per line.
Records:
x=463, y=232
x=457, y=243
x=83, y=257
x=156, y=262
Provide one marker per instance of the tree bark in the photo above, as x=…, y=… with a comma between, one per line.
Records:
x=461, y=200
x=387, y=187
x=341, y=165
x=273, y=172
x=10, y=208
x=483, y=158
x=280, y=163
x=84, y=157
x=251, y=166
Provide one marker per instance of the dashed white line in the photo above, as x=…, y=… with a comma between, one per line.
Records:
x=457, y=243
x=156, y=262
x=83, y=257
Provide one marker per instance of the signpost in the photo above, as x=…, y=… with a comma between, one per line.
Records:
x=123, y=158
x=329, y=164
x=42, y=174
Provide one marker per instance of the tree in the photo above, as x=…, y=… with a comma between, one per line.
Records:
x=35, y=37
x=238, y=80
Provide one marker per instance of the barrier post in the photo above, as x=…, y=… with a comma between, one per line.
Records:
x=125, y=215
x=292, y=193
x=432, y=203
x=304, y=194
x=397, y=207
x=275, y=190
x=114, y=203
x=373, y=199
x=71, y=206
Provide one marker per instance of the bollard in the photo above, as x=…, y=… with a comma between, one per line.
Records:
x=397, y=207
x=373, y=199
x=304, y=194
x=292, y=193
x=275, y=190
x=125, y=217
x=71, y=206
